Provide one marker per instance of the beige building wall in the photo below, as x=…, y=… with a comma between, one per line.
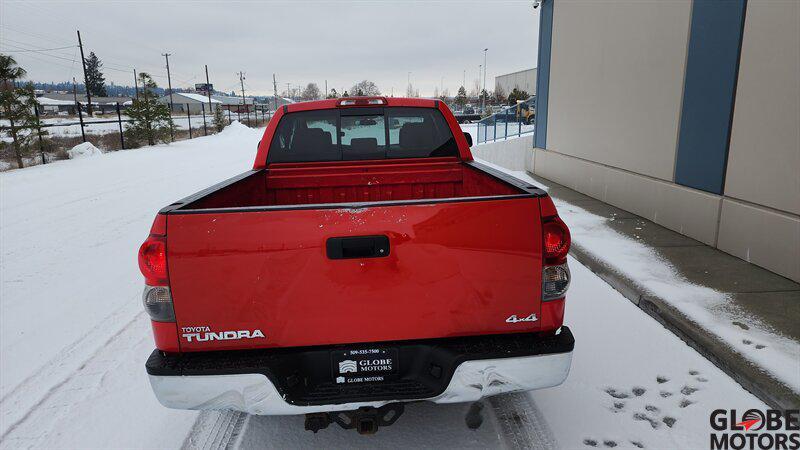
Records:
x=760, y=221
x=616, y=81
x=616, y=90
x=764, y=155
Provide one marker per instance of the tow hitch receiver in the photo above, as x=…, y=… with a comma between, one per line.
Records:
x=365, y=420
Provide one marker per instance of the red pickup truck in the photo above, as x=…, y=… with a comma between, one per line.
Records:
x=365, y=261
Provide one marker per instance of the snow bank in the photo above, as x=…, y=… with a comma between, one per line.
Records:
x=85, y=150
x=236, y=128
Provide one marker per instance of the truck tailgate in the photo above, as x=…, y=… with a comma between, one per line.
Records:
x=453, y=269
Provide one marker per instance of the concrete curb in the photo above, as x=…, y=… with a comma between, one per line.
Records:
x=753, y=378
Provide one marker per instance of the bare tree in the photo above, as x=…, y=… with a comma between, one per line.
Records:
x=500, y=94
x=365, y=88
x=311, y=92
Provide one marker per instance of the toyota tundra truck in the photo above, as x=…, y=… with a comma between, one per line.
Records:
x=364, y=262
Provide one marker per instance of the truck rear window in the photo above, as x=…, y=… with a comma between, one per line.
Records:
x=361, y=134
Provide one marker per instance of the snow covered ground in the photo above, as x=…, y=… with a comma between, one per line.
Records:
x=73, y=337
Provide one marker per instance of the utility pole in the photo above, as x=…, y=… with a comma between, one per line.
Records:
x=136, y=84
x=409, y=93
x=464, y=83
x=169, y=80
x=288, y=92
x=244, y=102
x=326, y=89
x=208, y=90
x=484, y=78
x=275, y=91
x=85, y=78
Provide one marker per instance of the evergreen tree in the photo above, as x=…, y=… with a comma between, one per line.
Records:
x=219, y=118
x=333, y=93
x=17, y=106
x=461, y=97
x=517, y=95
x=151, y=120
x=96, y=80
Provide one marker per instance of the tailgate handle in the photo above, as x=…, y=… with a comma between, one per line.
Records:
x=357, y=247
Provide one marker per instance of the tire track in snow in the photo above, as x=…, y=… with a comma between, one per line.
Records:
x=215, y=430
x=522, y=424
x=18, y=405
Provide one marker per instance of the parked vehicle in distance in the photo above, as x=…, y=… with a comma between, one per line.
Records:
x=365, y=261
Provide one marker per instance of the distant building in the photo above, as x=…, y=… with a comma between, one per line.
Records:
x=194, y=103
x=56, y=102
x=235, y=104
x=523, y=80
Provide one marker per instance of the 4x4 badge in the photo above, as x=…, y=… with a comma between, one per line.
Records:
x=515, y=319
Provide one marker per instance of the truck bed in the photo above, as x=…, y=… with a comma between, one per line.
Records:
x=354, y=182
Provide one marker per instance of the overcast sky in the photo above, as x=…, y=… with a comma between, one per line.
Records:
x=300, y=41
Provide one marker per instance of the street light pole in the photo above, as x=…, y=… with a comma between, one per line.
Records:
x=484, y=78
x=478, y=87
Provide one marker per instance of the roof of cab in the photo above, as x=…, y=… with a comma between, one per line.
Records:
x=334, y=103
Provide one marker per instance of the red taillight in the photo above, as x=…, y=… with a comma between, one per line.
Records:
x=556, y=241
x=153, y=261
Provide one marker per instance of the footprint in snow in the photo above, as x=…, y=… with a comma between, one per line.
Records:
x=669, y=421
x=661, y=379
x=665, y=394
x=639, y=391
x=637, y=444
x=590, y=442
x=685, y=402
x=689, y=390
x=644, y=417
x=616, y=394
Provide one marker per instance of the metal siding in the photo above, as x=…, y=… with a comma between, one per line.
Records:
x=710, y=84
x=543, y=75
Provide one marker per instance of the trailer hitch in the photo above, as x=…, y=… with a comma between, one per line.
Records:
x=365, y=420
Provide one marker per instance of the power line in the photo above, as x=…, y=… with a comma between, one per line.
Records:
x=39, y=49
x=36, y=35
x=42, y=53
